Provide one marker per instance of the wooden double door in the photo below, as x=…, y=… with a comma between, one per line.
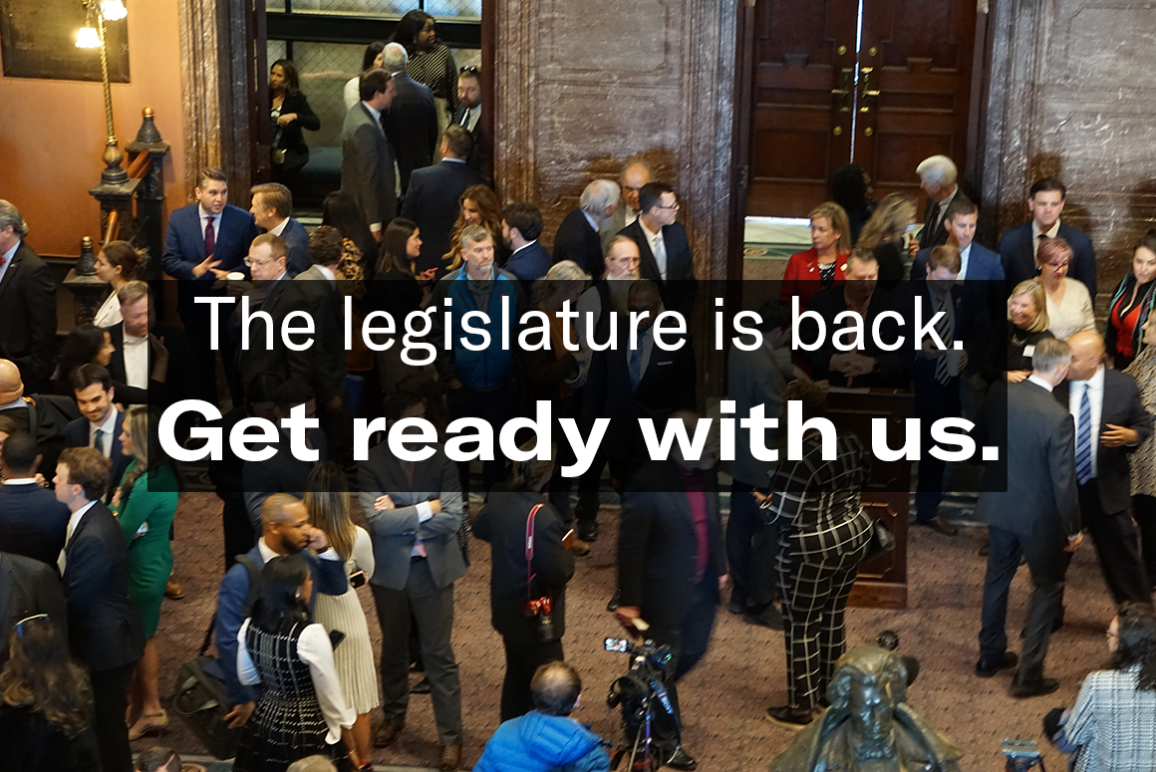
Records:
x=880, y=83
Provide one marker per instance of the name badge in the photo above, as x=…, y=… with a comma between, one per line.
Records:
x=1029, y=350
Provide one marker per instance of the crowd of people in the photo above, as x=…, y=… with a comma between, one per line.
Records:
x=89, y=497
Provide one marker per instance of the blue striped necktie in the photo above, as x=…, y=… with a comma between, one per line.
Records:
x=1084, y=440
x=943, y=328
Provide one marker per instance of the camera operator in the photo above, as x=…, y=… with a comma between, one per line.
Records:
x=672, y=568
x=527, y=588
x=546, y=738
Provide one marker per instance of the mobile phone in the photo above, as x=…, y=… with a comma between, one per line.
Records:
x=357, y=579
x=336, y=637
x=619, y=645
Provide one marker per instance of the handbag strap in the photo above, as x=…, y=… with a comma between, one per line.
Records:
x=530, y=549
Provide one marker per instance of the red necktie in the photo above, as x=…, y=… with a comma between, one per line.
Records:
x=210, y=237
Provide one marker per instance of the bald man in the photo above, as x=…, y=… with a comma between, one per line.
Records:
x=1110, y=423
x=43, y=416
x=285, y=530
x=635, y=174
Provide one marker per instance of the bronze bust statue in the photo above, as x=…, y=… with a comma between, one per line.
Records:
x=868, y=728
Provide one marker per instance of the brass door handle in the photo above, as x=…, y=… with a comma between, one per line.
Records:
x=868, y=96
x=845, y=94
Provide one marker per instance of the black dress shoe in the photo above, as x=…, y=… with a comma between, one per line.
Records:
x=791, y=718
x=768, y=617
x=615, y=602
x=1034, y=688
x=682, y=760
x=421, y=687
x=986, y=668
x=588, y=532
x=736, y=608
x=940, y=525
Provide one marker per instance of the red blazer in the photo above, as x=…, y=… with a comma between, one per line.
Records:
x=802, y=276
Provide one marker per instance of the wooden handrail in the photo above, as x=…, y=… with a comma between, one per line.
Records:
x=112, y=229
x=139, y=166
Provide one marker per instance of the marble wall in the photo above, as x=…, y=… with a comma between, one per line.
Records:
x=1072, y=94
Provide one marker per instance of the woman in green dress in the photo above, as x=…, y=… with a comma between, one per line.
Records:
x=145, y=503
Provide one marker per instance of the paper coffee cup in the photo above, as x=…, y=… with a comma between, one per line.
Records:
x=235, y=276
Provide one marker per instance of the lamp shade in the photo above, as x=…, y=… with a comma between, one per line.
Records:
x=87, y=37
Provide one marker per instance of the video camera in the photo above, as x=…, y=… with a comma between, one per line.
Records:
x=1022, y=755
x=636, y=692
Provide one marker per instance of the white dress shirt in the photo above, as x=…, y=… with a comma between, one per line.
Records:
x=7, y=259
x=328, y=274
x=657, y=247
x=316, y=651
x=73, y=523
x=108, y=427
x=376, y=117
x=280, y=227
x=1036, y=233
x=471, y=117
x=964, y=254
x=1041, y=383
x=1095, y=389
x=109, y=313
x=136, y=361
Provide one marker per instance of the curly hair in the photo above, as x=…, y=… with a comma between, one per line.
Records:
x=1136, y=636
x=41, y=676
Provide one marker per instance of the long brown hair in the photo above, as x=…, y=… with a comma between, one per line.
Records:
x=889, y=222
x=491, y=209
x=41, y=676
x=327, y=500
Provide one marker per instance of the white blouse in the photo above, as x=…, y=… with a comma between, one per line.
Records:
x=1073, y=314
x=315, y=650
x=109, y=313
x=362, y=557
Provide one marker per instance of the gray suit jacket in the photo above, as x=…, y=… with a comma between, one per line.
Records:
x=1038, y=497
x=367, y=166
x=394, y=531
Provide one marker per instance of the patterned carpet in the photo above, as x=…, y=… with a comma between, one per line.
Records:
x=724, y=699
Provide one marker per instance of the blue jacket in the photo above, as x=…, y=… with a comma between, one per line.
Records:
x=536, y=742
x=489, y=368
x=982, y=264
x=297, y=238
x=185, y=242
x=529, y=263
x=232, y=607
x=1019, y=261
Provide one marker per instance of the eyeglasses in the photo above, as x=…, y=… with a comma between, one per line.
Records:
x=20, y=624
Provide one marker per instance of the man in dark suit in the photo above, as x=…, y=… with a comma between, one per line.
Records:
x=1017, y=248
x=272, y=210
x=32, y=521
x=204, y=242
x=432, y=200
x=411, y=120
x=27, y=588
x=1029, y=503
x=414, y=511
x=104, y=629
x=672, y=569
x=283, y=472
x=367, y=161
x=521, y=227
x=42, y=416
x=635, y=174
x=1111, y=422
x=871, y=365
x=469, y=117
x=937, y=178
x=626, y=385
x=27, y=302
x=664, y=247
x=285, y=530
x=270, y=302
x=142, y=345
x=577, y=237
x=100, y=423
x=936, y=373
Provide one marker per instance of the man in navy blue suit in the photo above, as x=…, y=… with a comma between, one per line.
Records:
x=272, y=210
x=1018, y=246
x=100, y=423
x=521, y=227
x=32, y=521
x=205, y=241
x=285, y=530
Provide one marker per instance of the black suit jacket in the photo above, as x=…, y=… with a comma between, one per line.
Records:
x=76, y=435
x=432, y=202
x=1122, y=406
x=282, y=473
x=260, y=357
x=678, y=291
x=1019, y=259
x=322, y=365
x=969, y=327
x=658, y=547
x=892, y=367
x=45, y=417
x=297, y=238
x=28, y=317
x=104, y=629
x=502, y=523
x=180, y=373
x=577, y=241
x=667, y=386
x=938, y=237
x=479, y=159
x=32, y=522
x=411, y=124
x=28, y=587
x=292, y=138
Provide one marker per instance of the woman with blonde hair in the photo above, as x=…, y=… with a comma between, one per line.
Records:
x=145, y=504
x=825, y=263
x=883, y=236
x=1009, y=356
x=327, y=501
x=479, y=206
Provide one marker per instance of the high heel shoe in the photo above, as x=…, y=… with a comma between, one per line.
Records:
x=154, y=723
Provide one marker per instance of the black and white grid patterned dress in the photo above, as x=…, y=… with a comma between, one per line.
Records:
x=288, y=722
